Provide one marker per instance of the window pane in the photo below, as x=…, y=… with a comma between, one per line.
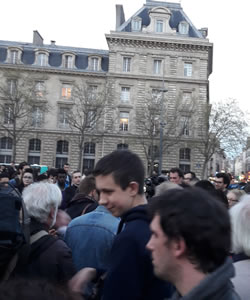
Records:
x=66, y=91
x=88, y=164
x=61, y=161
x=94, y=64
x=6, y=143
x=126, y=64
x=68, y=61
x=13, y=56
x=157, y=66
x=122, y=146
x=62, y=147
x=125, y=94
x=35, y=145
x=185, y=154
x=41, y=59
x=124, y=121
x=34, y=160
x=63, y=117
x=36, y=117
x=188, y=69
x=8, y=114
x=5, y=159
x=159, y=26
x=89, y=148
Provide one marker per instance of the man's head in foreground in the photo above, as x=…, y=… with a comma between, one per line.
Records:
x=190, y=235
x=120, y=181
x=176, y=175
x=221, y=181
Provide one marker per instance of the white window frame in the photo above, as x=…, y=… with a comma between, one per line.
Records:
x=63, y=117
x=94, y=63
x=92, y=91
x=157, y=66
x=124, y=121
x=41, y=59
x=68, y=61
x=39, y=88
x=66, y=91
x=136, y=24
x=126, y=65
x=13, y=56
x=188, y=69
x=36, y=117
x=159, y=24
x=183, y=28
x=125, y=94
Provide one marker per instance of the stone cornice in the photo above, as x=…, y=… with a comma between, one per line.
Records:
x=148, y=42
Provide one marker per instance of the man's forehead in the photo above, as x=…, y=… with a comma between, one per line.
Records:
x=175, y=174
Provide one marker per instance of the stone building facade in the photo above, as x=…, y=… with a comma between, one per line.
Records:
x=157, y=50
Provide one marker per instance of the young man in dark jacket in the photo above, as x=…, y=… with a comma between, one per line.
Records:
x=120, y=181
x=190, y=245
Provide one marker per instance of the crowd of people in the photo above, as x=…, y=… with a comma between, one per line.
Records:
x=170, y=236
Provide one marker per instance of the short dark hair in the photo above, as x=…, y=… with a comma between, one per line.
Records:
x=61, y=171
x=192, y=174
x=125, y=166
x=225, y=177
x=22, y=164
x=4, y=175
x=198, y=218
x=52, y=172
x=177, y=170
x=87, y=185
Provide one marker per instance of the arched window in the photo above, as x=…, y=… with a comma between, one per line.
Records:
x=62, y=151
x=34, y=151
x=5, y=150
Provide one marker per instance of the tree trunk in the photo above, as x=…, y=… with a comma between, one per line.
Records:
x=80, y=156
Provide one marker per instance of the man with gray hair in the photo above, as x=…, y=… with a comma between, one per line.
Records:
x=49, y=257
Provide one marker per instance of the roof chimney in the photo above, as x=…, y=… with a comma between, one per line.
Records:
x=120, y=18
x=52, y=43
x=204, y=32
x=37, y=39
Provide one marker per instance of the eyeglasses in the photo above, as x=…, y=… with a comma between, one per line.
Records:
x=218, y=182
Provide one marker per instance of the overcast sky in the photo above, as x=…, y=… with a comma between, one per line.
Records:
x=83, y=23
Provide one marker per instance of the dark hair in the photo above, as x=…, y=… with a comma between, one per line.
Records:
x=192, y=174
x=225, y=177
x=28, y=170
x=52, y=172
x=125, y=166
x=201, y=221
x=4, y=175
x=205, y=185
x=177, y=170
x=87, y=185
x=22, y=164
x=61, y=171
x=29, y=289
x=42, y=177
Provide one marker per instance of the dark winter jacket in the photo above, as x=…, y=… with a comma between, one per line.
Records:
x=130, y=275
x=49, y=258
x=215, y=286
x=81, y=204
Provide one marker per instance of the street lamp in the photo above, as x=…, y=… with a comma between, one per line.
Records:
x=162, y=124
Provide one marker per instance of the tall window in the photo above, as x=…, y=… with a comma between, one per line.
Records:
x=68, y=61
x=91, y=119
x=62, y=151
x=124, y=118
x=36, y=116
x=183, y=28
x=94, y=63
x=159, y=26
x=157, y=66
x=136, y=24
x=66, y=91
x=41, y=59
x=92, y=92
x=8, y=114
x=13, y=56
x=185, y=154
x=5, y=150
x=126, y=64
x=12, y=87
x=39, y=88
x=125, y=94
x=122, y=146
x=188, y=69
x=34, y=151
x=88, y=156
x=185, y=126
x=63, y=117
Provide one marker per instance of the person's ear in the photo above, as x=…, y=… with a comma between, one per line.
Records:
x=133, y=188
x=178, y=247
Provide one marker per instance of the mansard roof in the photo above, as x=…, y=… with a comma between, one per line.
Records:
x=55, y=54
x=177, y=16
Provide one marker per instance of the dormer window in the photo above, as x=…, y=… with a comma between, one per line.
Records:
x=136, y=24
x=94, y=63
x=159, y=26
x=68, y=61
x=41, y=59
x=183, y=27
x=14, y=55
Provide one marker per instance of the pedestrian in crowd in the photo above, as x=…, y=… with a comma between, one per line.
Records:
x=52, y=175
x=61, y=179
x=85, y=199
x=190, y=245
x=70, y=191
x=66, y=168
x=120, y=182
x=4, y=179
x=190, y=178
x=241, y=245
x=91, y=235
x=18, y=179
x=26, y=179
x=165, y=186
x=233, y=196
x=221, y=182
x=49, y=258
x=176, y=175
